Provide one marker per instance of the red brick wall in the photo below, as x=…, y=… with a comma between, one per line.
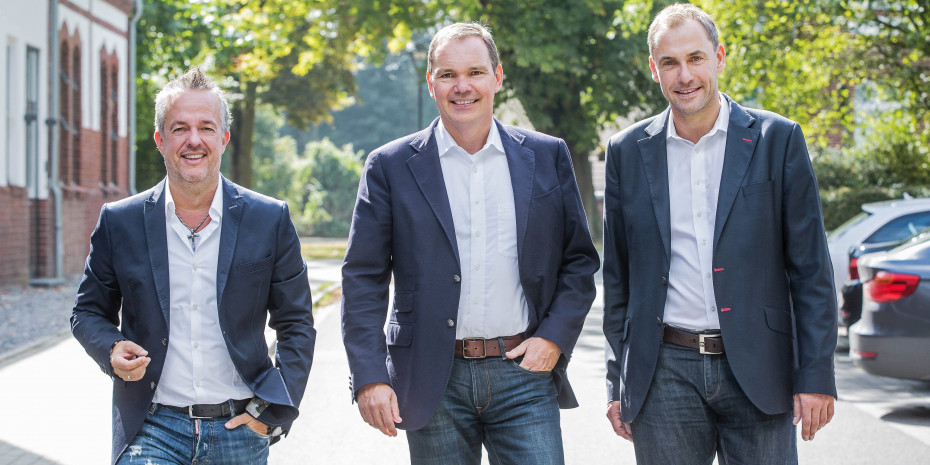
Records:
x=80, y=210
x=81, y=204
x=14, y=235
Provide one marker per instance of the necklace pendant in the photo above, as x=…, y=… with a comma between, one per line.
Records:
x=193, y=236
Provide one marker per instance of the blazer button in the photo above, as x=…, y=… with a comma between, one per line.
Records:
x=164, y=341
x=456, y=278
x=664, y=281
x=450, y=323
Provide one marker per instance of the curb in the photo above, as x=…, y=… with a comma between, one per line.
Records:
x=271, y=335
x=12, y=356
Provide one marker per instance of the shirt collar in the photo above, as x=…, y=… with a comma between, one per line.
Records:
x=445, y=142
x=216, y=206
x=723, y=120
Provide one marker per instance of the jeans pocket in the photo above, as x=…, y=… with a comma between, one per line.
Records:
x=516, y=364
x=254, y=433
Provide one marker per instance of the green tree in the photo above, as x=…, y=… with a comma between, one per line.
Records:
x=297, y=56
x=854, y=74
x=795, y=58
x=328, y=187
x=898, y=53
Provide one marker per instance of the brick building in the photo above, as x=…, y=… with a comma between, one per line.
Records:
x=64, y=126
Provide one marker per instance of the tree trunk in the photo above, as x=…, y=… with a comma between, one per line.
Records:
x=243, y=136
x=584, y=177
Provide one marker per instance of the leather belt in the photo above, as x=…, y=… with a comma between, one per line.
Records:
x=476, y=347
x=230, y=408
x=706, y=344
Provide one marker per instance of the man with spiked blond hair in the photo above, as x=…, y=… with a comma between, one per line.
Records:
x=193, y=268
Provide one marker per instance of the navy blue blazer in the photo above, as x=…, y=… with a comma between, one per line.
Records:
x=402, y=226
x=260, y=272
x=771, y=269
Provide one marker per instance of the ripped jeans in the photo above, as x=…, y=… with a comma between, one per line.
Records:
x=169, y=437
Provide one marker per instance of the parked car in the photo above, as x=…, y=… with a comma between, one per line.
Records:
x=851, y=303
x=884, y=222
x=893, y=336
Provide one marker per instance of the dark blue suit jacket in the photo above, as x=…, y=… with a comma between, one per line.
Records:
x=402, y=226
x=260, y=272
x=772, y=275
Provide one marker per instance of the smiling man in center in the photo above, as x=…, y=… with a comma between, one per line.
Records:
x=482, y=228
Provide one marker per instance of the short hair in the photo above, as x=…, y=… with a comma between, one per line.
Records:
x=193, y=79
x=459, y=31
x=673, y=16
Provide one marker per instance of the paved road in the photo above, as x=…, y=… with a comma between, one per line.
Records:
x=879, y=420
x=56, y=411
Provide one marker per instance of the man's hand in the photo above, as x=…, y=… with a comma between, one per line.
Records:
x=249, y=421
x=613, y=415
x=129, y=360
x=813, y=411
x=378, y=405
x=538, y=354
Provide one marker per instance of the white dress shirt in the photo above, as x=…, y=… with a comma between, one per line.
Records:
x=694, y=172
x=492, y=303
x=198, y=369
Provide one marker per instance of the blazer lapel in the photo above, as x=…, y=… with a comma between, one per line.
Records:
x=741, y=144
x=229, y=232
x=427, y=172
x=654, y=154
x=522, y=164
x=156, y=241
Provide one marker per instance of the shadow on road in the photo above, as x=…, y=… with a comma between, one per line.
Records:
x=10, y=454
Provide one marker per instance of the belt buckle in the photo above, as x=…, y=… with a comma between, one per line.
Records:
x=484, y=345
x=190, y=413
x=701, y=347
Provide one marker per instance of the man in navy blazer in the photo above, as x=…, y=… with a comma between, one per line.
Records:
x=174, y=311
x=719, y=307
x=482, y=228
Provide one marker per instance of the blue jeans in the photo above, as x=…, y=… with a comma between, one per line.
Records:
x=512, y=411
x=695, y=408
x=169, y=437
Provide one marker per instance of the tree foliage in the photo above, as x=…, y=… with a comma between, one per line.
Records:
x=854, y=74
x=319, y=185
x=297, y=56
x=897, y=48
x=795, y=58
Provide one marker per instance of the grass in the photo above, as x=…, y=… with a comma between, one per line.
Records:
x=328, y=298
x=315, y=249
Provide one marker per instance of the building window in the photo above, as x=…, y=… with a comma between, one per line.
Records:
x=32, y=121
x=8, y=114
x=69, y=95
x=109, y=119
x=64, y=112
x=114, y=121
x=104, y=120
x=76, y=114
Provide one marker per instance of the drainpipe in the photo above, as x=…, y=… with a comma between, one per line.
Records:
x=52, y=123
x=137, y=14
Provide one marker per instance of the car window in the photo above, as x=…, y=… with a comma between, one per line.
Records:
x=841, y=229
x=900, y=228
